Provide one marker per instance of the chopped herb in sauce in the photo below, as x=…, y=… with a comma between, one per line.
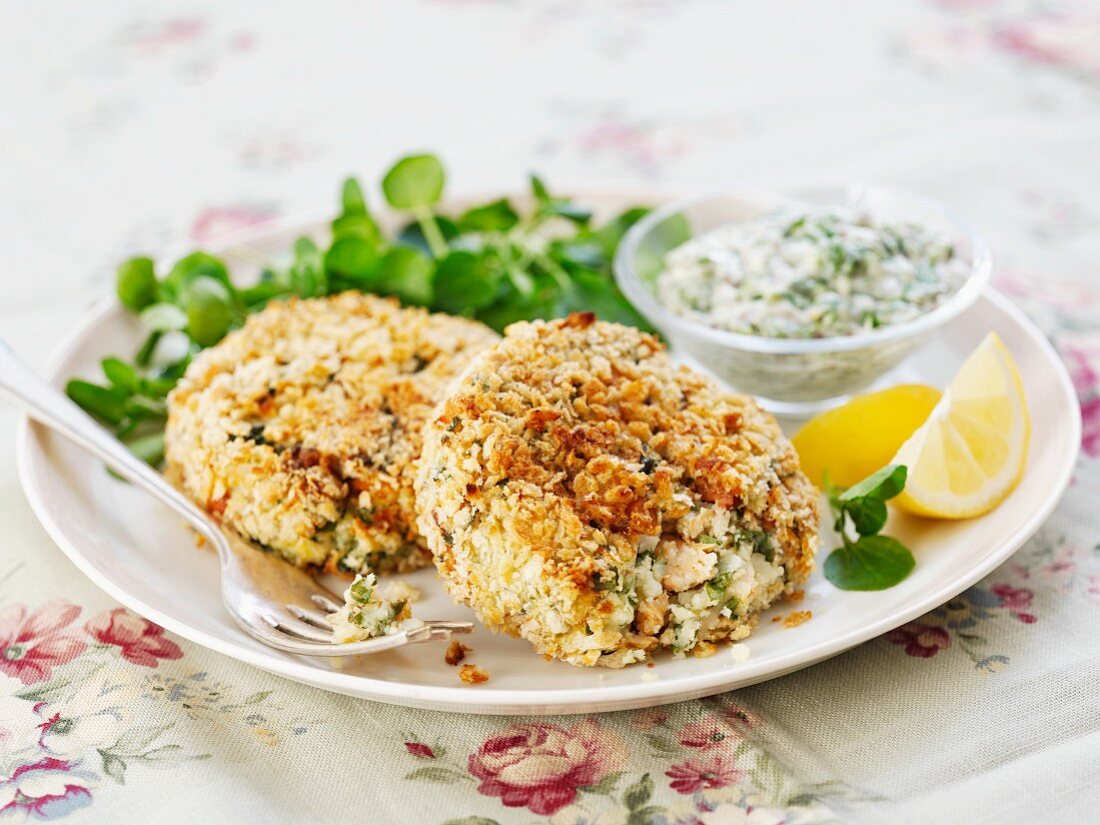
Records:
x=810, y=274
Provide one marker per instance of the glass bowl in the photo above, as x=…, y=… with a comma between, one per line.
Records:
x=792, y=376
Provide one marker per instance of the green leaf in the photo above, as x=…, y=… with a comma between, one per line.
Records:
x=256, y=698
x=136, y=283
x=590, y=292
x=585, y=255
x=406, y=273
x=882, y=484
x=871, y=563
x=355, y=220
x=570, y=211
x=145, y=354
x=149, y=448
x=414, y=181
x=868, y=514
x=156, y=387
x=141, y=407
x=608, y=236
x=412, y=234
x=106, y=403
x=120, y=374
x=639, y=793
x=538, y=189
x=354, y=260
x=196, y=265
x=522, y=281
x=209, y=310
x=307, y=275
x=434, y=773
x=164, y=317
x=510, y=307
x=351, y=197
x=464, y=282
x=174, y=371
x=269, y=286
x=560, y=207
x=497, y=216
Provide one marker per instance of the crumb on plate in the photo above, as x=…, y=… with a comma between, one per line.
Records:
x=472, y=675
x=797, y=617
x=456, y=652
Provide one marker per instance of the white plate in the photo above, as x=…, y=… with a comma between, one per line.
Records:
x=143, y=557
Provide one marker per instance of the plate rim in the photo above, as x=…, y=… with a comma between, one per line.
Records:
x=542, y=701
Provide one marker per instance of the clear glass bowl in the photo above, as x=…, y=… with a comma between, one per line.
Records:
x=792, y=376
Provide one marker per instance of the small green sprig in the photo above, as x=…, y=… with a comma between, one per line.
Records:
x=869, y=561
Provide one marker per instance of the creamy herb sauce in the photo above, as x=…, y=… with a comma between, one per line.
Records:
x=810, y=274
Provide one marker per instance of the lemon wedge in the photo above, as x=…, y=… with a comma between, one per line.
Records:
x=852, y=441
x=972, y=450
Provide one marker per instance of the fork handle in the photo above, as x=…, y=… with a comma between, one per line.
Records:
x=51, y=408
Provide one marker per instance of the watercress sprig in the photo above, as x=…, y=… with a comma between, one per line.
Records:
x=493, y=262
x=869, y=561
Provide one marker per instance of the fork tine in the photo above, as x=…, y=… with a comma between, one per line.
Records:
x=325, y=603
x=453, y=627
x=297, y=629
x=310, y=617
x=281, y=637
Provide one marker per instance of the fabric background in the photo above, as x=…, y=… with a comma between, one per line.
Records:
x=132, y=126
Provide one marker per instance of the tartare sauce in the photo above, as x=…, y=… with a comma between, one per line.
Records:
x=810, y=274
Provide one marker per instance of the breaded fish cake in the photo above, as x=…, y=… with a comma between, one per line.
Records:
x=582, y=491
x=302, y=429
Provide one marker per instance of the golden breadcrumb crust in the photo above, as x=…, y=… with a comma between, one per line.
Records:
x=302, y=429
x=571, y=444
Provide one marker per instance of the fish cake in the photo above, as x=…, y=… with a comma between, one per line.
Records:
x=302, y=429
x=582, y=491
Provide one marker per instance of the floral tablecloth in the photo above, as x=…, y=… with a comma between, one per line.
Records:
x=128, y=127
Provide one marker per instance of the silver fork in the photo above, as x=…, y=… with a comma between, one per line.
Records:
x=274, y=602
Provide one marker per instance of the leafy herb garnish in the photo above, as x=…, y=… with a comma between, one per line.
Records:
x=870, y=561
x=492, y=262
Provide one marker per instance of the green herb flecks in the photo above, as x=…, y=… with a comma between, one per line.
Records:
x=870, y=561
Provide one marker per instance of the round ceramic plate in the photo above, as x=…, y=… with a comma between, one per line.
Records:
x=143, y=556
